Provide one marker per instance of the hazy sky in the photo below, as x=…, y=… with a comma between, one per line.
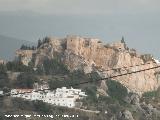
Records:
x=137, y=20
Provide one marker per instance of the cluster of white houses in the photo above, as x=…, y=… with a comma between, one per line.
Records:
x=60, y=97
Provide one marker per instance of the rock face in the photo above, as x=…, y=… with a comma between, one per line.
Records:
x=92, y=55
x=2, y=61
x=25, y=56
x=125, y=115
x=133, y=99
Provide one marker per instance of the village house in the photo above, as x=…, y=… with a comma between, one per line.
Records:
x=60, y=97
x=1, y=92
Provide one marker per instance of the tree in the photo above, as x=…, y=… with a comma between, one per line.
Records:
x=94, y=76
x=54, y=66
x=22, y=47
x=18, y=67
x=4, y=81
x=46, y=39
x=25, y=80
x=91, y=92
x=40, y=106
x=116, y=90
x=122, y=41
x=55, y=83
x=39, y=43
x=3, y=69
x=33, y=48
x=25, y=47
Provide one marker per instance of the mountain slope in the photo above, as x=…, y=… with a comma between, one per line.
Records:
x=9, y=45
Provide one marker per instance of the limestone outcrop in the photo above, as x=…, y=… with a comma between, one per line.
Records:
x=25, y=56
x=90, y=55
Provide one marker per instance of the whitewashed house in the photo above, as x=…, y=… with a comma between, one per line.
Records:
x=68, y=101
x=43, y=86
x=1, y=92
x=157, y=61
x=60, y=97
x=22, y=93
x=36, y=95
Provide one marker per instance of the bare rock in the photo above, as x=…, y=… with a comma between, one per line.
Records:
x=84, y=53
x=135, y=99
x=125, y=115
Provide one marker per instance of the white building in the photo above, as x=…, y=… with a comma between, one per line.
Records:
x=43, y=86
x=60, y=97
x=23, y=93
x=157, y=61
x=1, y=92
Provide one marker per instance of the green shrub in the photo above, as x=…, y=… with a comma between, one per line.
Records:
x=106, y=100
x=25, y=80
x=116, y=90
x=54, y=66
x=150, y=94
x=42, y=107
x=94, y=76
x=18, y=67
x=91, y=91
x=71, y=79
x=55, y=83
x=3, y=69
x=4, y=81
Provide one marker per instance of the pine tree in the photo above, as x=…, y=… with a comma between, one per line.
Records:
x=122, y=40
x=22, y=47
x=39, y=43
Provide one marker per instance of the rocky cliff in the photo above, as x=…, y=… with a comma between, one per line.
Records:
x=92, y=55
x=25, y=56
x=2, y=61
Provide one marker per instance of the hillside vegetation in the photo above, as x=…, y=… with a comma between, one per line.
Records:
x=117, y=104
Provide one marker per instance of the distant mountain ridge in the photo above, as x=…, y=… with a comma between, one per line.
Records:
x=8, y=46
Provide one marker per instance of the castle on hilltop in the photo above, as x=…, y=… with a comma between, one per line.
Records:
x=90, y=54
x=76, y=44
